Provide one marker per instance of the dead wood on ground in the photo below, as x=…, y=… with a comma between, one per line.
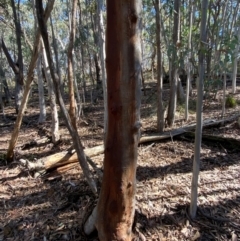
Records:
x=58, y=160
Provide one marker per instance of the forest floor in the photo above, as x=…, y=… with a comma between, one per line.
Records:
x=54, y=208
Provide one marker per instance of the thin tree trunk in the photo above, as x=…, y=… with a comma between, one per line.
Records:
x=52, y=99
x=4, y=84
x=19, y=88
x=29, y=80
x=116, y=204
x=174, y=72
x=42, y=107
x=160, y=110
x=102, y=60
x=55, y=49
x=234, y=75
x=76, y=140
x=198, y=133
x=224, y=93
x=189, y=59
x=79, y=102
x=153, y=55
x=72, y=108
x=1, y=100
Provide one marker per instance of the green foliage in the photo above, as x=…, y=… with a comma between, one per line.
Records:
x=230, y=102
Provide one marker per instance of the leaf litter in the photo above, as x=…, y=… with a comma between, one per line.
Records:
x=55, y=209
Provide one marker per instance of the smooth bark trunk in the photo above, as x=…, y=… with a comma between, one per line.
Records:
x=116, y=204
x=160, y=109
x=189, y=59
x=52, y=99
x=174, y=71
x=4, y=84
x=42, y=107
x=198, y=134
x=29, y=80
x=234, y=75
x=72, y=108
x=74, y=134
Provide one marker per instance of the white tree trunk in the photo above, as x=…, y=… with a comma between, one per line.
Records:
x=189, y=57
x=42, y=107
x=234, y=75
x=52, y=99
x=36, y=50
x=103, y=57
x=224, y=94
x=198, y=133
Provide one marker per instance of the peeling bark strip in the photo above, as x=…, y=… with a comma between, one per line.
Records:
x=115, y=209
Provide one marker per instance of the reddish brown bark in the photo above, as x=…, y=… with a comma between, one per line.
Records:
x=116, y=204
x=72, y=108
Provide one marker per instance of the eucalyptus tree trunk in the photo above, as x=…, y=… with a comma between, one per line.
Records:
x=235, y=17
x=52, y=99
x=1, y=99
x=34, y=57
x=189, y=58
x=19, y=88
x=116, y=204
x=160, y=109
x=234, y=75
x=15, y=69
x=81, y=55
x=102, y=60
x=219, y=38
x=72, y=108
x=74, y=134
x=4, y=83
x=180, y=91
x=198, y=134
x=174, y=75
x=153, y=55
x=224, y=93
x=42, y=107
x=78, y=97
x=55, y=49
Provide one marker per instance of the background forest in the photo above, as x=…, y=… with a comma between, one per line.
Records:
x=54, y=119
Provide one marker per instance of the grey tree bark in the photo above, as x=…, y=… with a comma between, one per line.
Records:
x=4, y=83
x=174, y=71
x=42, y=106
x=34, y=57
x=102, y=60
x=52, y=98
x=189, y=59
x=72, y=108
x=234, y=75
x=160, y=109
x=198, y=133
x=55, y=49
x=75, y=137
x=19, y=87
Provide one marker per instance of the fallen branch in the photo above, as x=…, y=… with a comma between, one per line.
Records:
x=36, y=143
x=64, y=158
x=229, y=143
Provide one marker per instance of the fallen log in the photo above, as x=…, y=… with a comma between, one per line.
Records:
x=36, y=143
x=59, y=159
x=226, y=142
x=64, y=158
